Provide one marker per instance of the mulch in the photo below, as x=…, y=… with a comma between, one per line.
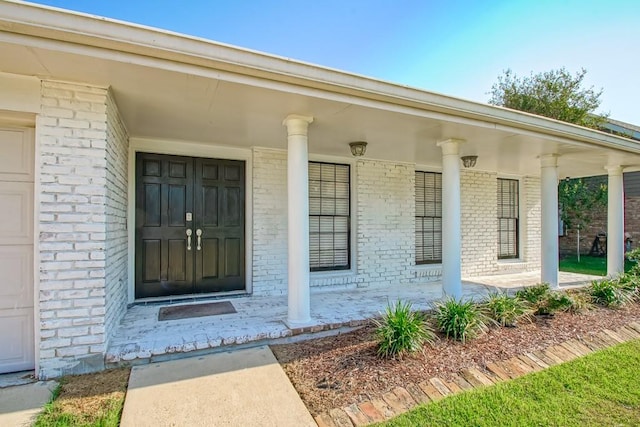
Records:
x=340, y=370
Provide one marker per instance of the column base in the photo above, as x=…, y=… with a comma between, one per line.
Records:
x=299, y=324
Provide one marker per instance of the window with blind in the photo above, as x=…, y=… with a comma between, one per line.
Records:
x=329, y=216
x=428, y=217
x=508, y=209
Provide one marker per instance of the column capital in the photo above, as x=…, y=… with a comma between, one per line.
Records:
x=297, y=124
x=549, y=160
x=614, y=170
x=450, y=146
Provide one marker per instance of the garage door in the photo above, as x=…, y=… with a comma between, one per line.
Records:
x=16, y=249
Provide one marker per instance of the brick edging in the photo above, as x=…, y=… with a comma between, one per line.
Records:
x=402, y=399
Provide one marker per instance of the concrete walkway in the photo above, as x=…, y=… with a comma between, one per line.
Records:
x=234, y=388
x=19, y=405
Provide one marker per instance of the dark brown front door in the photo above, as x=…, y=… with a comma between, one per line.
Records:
x=189, y=225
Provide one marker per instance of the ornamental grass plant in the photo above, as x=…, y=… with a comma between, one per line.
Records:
x=401, y=331
x=461, y=320
x=506, y=310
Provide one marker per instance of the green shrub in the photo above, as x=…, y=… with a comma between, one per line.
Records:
x=634, y=256
x=506, y=310
x=555, y=301
x=630, y=282
x=460, y=320
x=580, y=301
x=534, y=294
x=609, y=293
x=401, y=330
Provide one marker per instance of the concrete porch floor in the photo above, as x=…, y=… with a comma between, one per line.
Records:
x=141, y=338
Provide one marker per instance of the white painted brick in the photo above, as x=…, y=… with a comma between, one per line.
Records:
x=73, y=332
x=74, y=351
x=83, y=148
x=55, y=343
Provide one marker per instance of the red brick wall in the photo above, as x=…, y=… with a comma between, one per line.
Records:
x=598, y=224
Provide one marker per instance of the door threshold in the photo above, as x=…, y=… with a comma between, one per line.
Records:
x=181, y=299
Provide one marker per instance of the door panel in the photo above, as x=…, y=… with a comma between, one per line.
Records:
x=17, y=352
x=220, y=216
x=232, y=257
x=16, y=161
x=152, y=255
x=17, y=349
x=210, y=258
x=16, y=215
x=164, y=192
x=167, y=187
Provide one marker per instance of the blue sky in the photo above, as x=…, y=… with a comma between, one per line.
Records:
x=453, y=47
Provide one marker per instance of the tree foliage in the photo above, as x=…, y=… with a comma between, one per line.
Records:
x=556, y=94
x=578, y=199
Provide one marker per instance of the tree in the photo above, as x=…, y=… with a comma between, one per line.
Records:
x=556, y=94
x=577, y=200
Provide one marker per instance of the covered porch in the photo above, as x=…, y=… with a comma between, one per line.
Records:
x=103, y=97
x=142, y=338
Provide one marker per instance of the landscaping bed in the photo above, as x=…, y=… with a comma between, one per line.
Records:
x=339, y=370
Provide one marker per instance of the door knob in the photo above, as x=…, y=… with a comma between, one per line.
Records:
x=199, y=234
x=189, y=233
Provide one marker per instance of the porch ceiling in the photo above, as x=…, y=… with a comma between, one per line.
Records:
x=192, y=103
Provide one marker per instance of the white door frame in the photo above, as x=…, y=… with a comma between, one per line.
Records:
x=191, y=149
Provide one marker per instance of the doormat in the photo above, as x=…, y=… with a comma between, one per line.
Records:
x=186, y=311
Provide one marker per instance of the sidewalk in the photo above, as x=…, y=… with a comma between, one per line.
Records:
x=234, y=388
x=19, y=405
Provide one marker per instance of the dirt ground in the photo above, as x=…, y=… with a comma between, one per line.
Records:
x=92, y=394
x=336, y=371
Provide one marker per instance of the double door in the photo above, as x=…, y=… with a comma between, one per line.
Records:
x=189, y=225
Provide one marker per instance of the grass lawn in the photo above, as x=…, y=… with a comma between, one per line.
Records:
x=92, y=400
x=588, y=265
x=602, y=389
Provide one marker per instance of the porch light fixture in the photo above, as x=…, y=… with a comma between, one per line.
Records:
x=469, y=161
x=358, y=148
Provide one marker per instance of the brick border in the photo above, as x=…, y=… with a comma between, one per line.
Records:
x=402, y=399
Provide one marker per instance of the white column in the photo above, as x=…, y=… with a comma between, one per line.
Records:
x=549, y=184
x=615, y=222
x=299, y=312
x=451, y=230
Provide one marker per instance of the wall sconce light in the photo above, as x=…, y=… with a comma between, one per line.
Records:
x=469, y=161
x=358, y=148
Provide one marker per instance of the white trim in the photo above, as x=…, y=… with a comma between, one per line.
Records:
x=428, y=266
x=424, y=168
x=192, y=149
x=36, y=249
x=353, y=220
x=522, y=219
x=36, y=24
x=424, y=266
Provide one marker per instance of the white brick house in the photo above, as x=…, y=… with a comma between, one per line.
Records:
x=139, y=165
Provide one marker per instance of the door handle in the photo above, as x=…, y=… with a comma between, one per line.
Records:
x=189, y=232
x=199, y=234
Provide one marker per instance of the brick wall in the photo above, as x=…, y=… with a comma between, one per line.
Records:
x=531, y=228
x=632, y=219
x=478, y=194
x=116, y=244
x=480, y=225
x=75, y=210
x=385, y=222
x=384, y=211
x=269, y=222
x=598, y=224
x=385, y=225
